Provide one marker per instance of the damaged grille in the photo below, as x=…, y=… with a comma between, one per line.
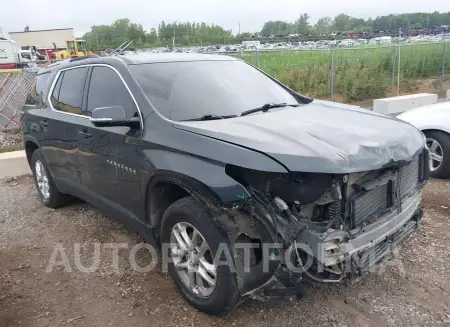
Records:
x=368, y=205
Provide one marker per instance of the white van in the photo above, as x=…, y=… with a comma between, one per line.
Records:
x=11, y=54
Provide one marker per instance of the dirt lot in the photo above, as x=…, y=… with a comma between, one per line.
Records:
x=413, y=290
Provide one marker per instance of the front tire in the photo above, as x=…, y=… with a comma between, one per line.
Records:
x=46, y=187
x=438, y=143
x=195, y=240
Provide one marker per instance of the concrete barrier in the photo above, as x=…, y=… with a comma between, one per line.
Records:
x=396, y=105
x=13, y=164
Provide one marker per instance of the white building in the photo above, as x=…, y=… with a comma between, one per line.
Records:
x=44, y=39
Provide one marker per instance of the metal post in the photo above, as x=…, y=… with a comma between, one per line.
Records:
x=332, y=74
x=257, y=57
x=394, y=56
x=398, y=75
x=443, y=69
x=173, y=39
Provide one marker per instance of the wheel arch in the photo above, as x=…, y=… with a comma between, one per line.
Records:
x=425, y=130
x=166, y=187
x=31, y=145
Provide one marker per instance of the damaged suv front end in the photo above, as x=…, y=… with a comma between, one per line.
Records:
x=332, y=226
x=350, y=194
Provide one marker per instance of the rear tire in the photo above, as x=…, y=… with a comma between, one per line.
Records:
x=46, y=187
x=225, y=294
x=441, y=147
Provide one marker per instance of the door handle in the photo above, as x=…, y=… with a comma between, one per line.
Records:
x=85, y=134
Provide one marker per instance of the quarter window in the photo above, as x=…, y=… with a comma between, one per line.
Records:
x=37, y=94
x=55, y=93
x=107, y=89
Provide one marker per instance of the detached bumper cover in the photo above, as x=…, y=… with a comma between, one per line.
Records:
x=380, y=238
x=352, y=256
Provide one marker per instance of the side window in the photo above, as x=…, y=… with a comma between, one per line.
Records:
x=38, y=90
x=71, y=90
x=107, y=89
x=55, y=93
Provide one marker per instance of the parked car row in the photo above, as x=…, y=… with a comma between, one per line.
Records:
x=310, y=45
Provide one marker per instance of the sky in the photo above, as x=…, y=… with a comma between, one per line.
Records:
x=250, y=14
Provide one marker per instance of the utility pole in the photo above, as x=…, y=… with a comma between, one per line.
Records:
x=398, y=74
x=173, y=39
x=1, y=31
x=239, y=28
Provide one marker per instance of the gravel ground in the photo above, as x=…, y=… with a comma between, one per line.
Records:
x=412, y=290
x=10, y=140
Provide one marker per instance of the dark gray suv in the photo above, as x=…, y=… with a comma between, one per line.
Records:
x=221, y=161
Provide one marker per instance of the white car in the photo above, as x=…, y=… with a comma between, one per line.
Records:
x=434, y=121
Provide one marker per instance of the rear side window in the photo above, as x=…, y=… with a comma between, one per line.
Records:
x=37, y=93
x=55, y=93
x=107, y=89
x=69, y=90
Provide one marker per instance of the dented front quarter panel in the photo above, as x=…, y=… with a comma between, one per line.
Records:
x=195, y=158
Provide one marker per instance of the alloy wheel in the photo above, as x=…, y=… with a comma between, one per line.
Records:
x=436, y=154
x=193, y=259
x=42, y=179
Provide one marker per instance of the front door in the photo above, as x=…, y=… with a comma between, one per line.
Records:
x=112, y=153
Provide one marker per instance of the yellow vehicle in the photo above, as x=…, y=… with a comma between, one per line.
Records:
x=75, y=48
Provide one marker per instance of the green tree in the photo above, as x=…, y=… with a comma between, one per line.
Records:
x=323, y=25
x=302, y=24
x=342, y=23
x=275, y=28
x=136, y=33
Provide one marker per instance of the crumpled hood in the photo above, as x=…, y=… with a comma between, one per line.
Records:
x=318, y=137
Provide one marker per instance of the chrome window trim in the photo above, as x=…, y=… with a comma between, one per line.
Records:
x=83, y=116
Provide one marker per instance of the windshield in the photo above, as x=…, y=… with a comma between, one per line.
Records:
x=26, y=55
x=189, y=90
x=81, y=46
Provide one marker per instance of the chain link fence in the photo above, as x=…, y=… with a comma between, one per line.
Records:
x=15, y=86
x=355, y=76
x=359, y=75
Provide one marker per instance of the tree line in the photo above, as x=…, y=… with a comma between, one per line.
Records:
x=192, y=33
x=344, y=23
x=185, y=33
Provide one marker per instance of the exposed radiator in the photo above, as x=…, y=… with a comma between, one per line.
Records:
x=369, y=203
x=409, y=177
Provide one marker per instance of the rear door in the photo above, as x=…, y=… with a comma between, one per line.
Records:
x=62, y=123
x=112, y=155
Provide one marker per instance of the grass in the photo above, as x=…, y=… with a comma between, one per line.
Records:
x=7, y=149
x=359, y=74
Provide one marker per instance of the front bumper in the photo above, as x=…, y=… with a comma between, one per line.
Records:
x=337, y=246
x=347, y=254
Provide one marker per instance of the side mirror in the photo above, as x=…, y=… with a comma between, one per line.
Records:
x=112, y=116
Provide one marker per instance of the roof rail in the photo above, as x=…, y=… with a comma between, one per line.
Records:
x=83, y=57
